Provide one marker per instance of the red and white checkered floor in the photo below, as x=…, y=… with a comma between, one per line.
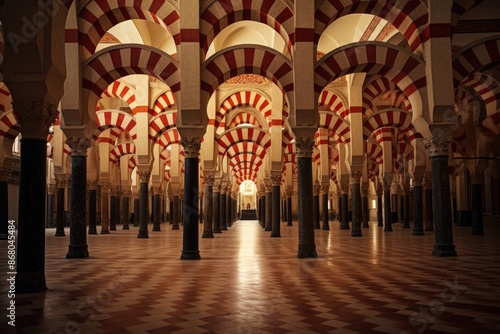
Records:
x=248, y=282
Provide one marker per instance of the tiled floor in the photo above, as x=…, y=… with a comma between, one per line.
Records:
x=248, y=282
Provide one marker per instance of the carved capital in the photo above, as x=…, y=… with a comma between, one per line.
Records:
x=380, y=191
x=276, y=180
x=387, y=182
x=355, y=177
x=51, y=189
x=144, y=176
x=316, y=189
x=344, y=188
x=325, y=189
x=156, y=189
x=417, y=181
x=61, y=180
x=477, y=177
x=34, y=118
x=438, y=145
x=91, y=184
x=105, y=186
x=304, y=147
x=216, y=187
x=4, y=174
x=191, y=147
x=78, y=146
x=209, y=180
x=427, y=182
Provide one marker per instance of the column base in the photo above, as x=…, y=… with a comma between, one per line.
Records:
x=268, y=228
x=156, y=228
x=30, y=282
x=356, y=233
x=126, y=227
x=306, y=251
x=344, y=227
x=418, y=232
x=406, y=225
x=112, y=228
x=444, y=250
x=275, y=235
x=429, y=229
x=136, y=225
x=207, y=235
x=217, y=231
x=326, y=228
x=190, y=255
x=104, y=232
x=477, y=232
x=224, y=228
x=143, y=234
x=175, y=227
x=365, y=225
x=388, y=229
x=77, y=252
x=380, y=224
x=92, y=231
x=289, y=224
x=60, y=234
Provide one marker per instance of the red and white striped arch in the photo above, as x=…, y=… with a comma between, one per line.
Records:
x=236, y=167
x=244, y=99
x=476, y=58
x=9, y=127
x=286, y=137
x=460, y=7
x=99, y=16
x=487, y=87
x=220, y=14
x=246, y=157
x=381, y=86
x=243, y=134
x=409, y=17
x=169, y=137
x=121, y=90
x=396, y=64
x=330, y=100
x=245, y=174
x=132, y=163
x=289, y=154
x=5, y=98
x=316, y=156
x=121, y=60
x=238, y=60
x=492, y=123
x=375, y=151
x=161, y=123
x=388, y=118
x=246, y=148
x=164, y=102
x=108, y=136
x=373, y=168
x=108, y=119
x=338, y=127
x=120, y=150
x=333, y=155
x=244, y=118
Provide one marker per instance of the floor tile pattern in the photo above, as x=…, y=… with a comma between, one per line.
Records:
x=247, y=282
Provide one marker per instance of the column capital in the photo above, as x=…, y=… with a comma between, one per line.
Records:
x=126, y=193
x=316, y=189
x=344, y=187
x=355, y=177
x=91, y=184
x=325, y=188
x=364, y=188
x=216, y=186
x=417, y=180
x=144, y=175
x=51, y=189
x=35, y=118
x=379, y=190
x=438, y=144
x=191, y=147
x=61, y=180
x=276, y=179
x=289, y=193
x=427, y=181
x=304, y=147
x=156, y=189
x=209, y=180
x=105, y=185
x=78, y=146
x=5, y=174
x=387, y=182
x=477, y=177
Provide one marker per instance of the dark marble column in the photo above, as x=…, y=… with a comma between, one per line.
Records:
x=170, y=211
x=175, y=214
x=118, y=207
x=344, y=222
x=418, y=221
x=380, y=218
x=105, y=188
x=208, y=207
x=406, y=207
x=356, y=204
x=35, y=119
x=223, y=202
x=50, y=206
x=324, y=198
x=289, y=208
x=61, y=181
x=496, y=192
x=316, y=191
x=216, y=207
x=387, y=204
x=92, y=186
x=190, y=210
x=144, y=176
x=364, y=205
x=126, y=209
x=438, y=148
x=283, y=210
x=429, y=220
x=339, y=200
x=307, y=246
x=275, y=216
x=262, y=210
x=201, y=215
x=477, y=203
x=228, y=207
x=112, y=209
x=4, y=205
x=268, y=207
x=78, y=247
x=156, y=208
x=137, y=209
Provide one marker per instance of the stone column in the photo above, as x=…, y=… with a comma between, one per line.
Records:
x=406, y=206
x=283, y=209
x=289, y=208
x=126, y=209
x=92, y=187
x=208, y=207
x=223, y=201
x=262, y=209
x=438, y=148
x=112, y=209
x=275, y=217
x=356, y=204
x=34, y=119
x=137, y=209
x=105, y=188
x=496, y=191
x=429, y=221
x=380, y=192
x=61, y=182
x=50, y=204
x=477, y=203
x=216, y=207
x=344, y=198
x=4, y=204
x=387, y=203
x=156, y=208
x=307, y=246
x=118, y=208
x=190, y=215
x=144, y=176
x=364, y=205
x=418, y=221
x=78, y=247
x=175, y=209
x=316, y=191
x=228, y=206
x=269, y=202
x=325, y=188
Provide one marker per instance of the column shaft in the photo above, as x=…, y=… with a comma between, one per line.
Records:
x=387, y=210
x=307, y=246
x=406, y=210
x=268, y=215
x=175, y=215
x=289, y=209
x=78, y=247
x=190, y=214
x=60, y=213
x=316, y=212
x=275, y=231
x=429, y=220
x=126, y=212
x=223, y=201
x=143, y=210
x=365, y=211
x=137, y=209
x=4, y=210
x=418, y=223
x=112, y=226
x=216, y=211
x=344, y=225
x=326, y=223
x=477, y=209
x=156, y=212
x=356, y=210
x=208, y=212
x=380, y=220
x=93, y=211
x=105, y=209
